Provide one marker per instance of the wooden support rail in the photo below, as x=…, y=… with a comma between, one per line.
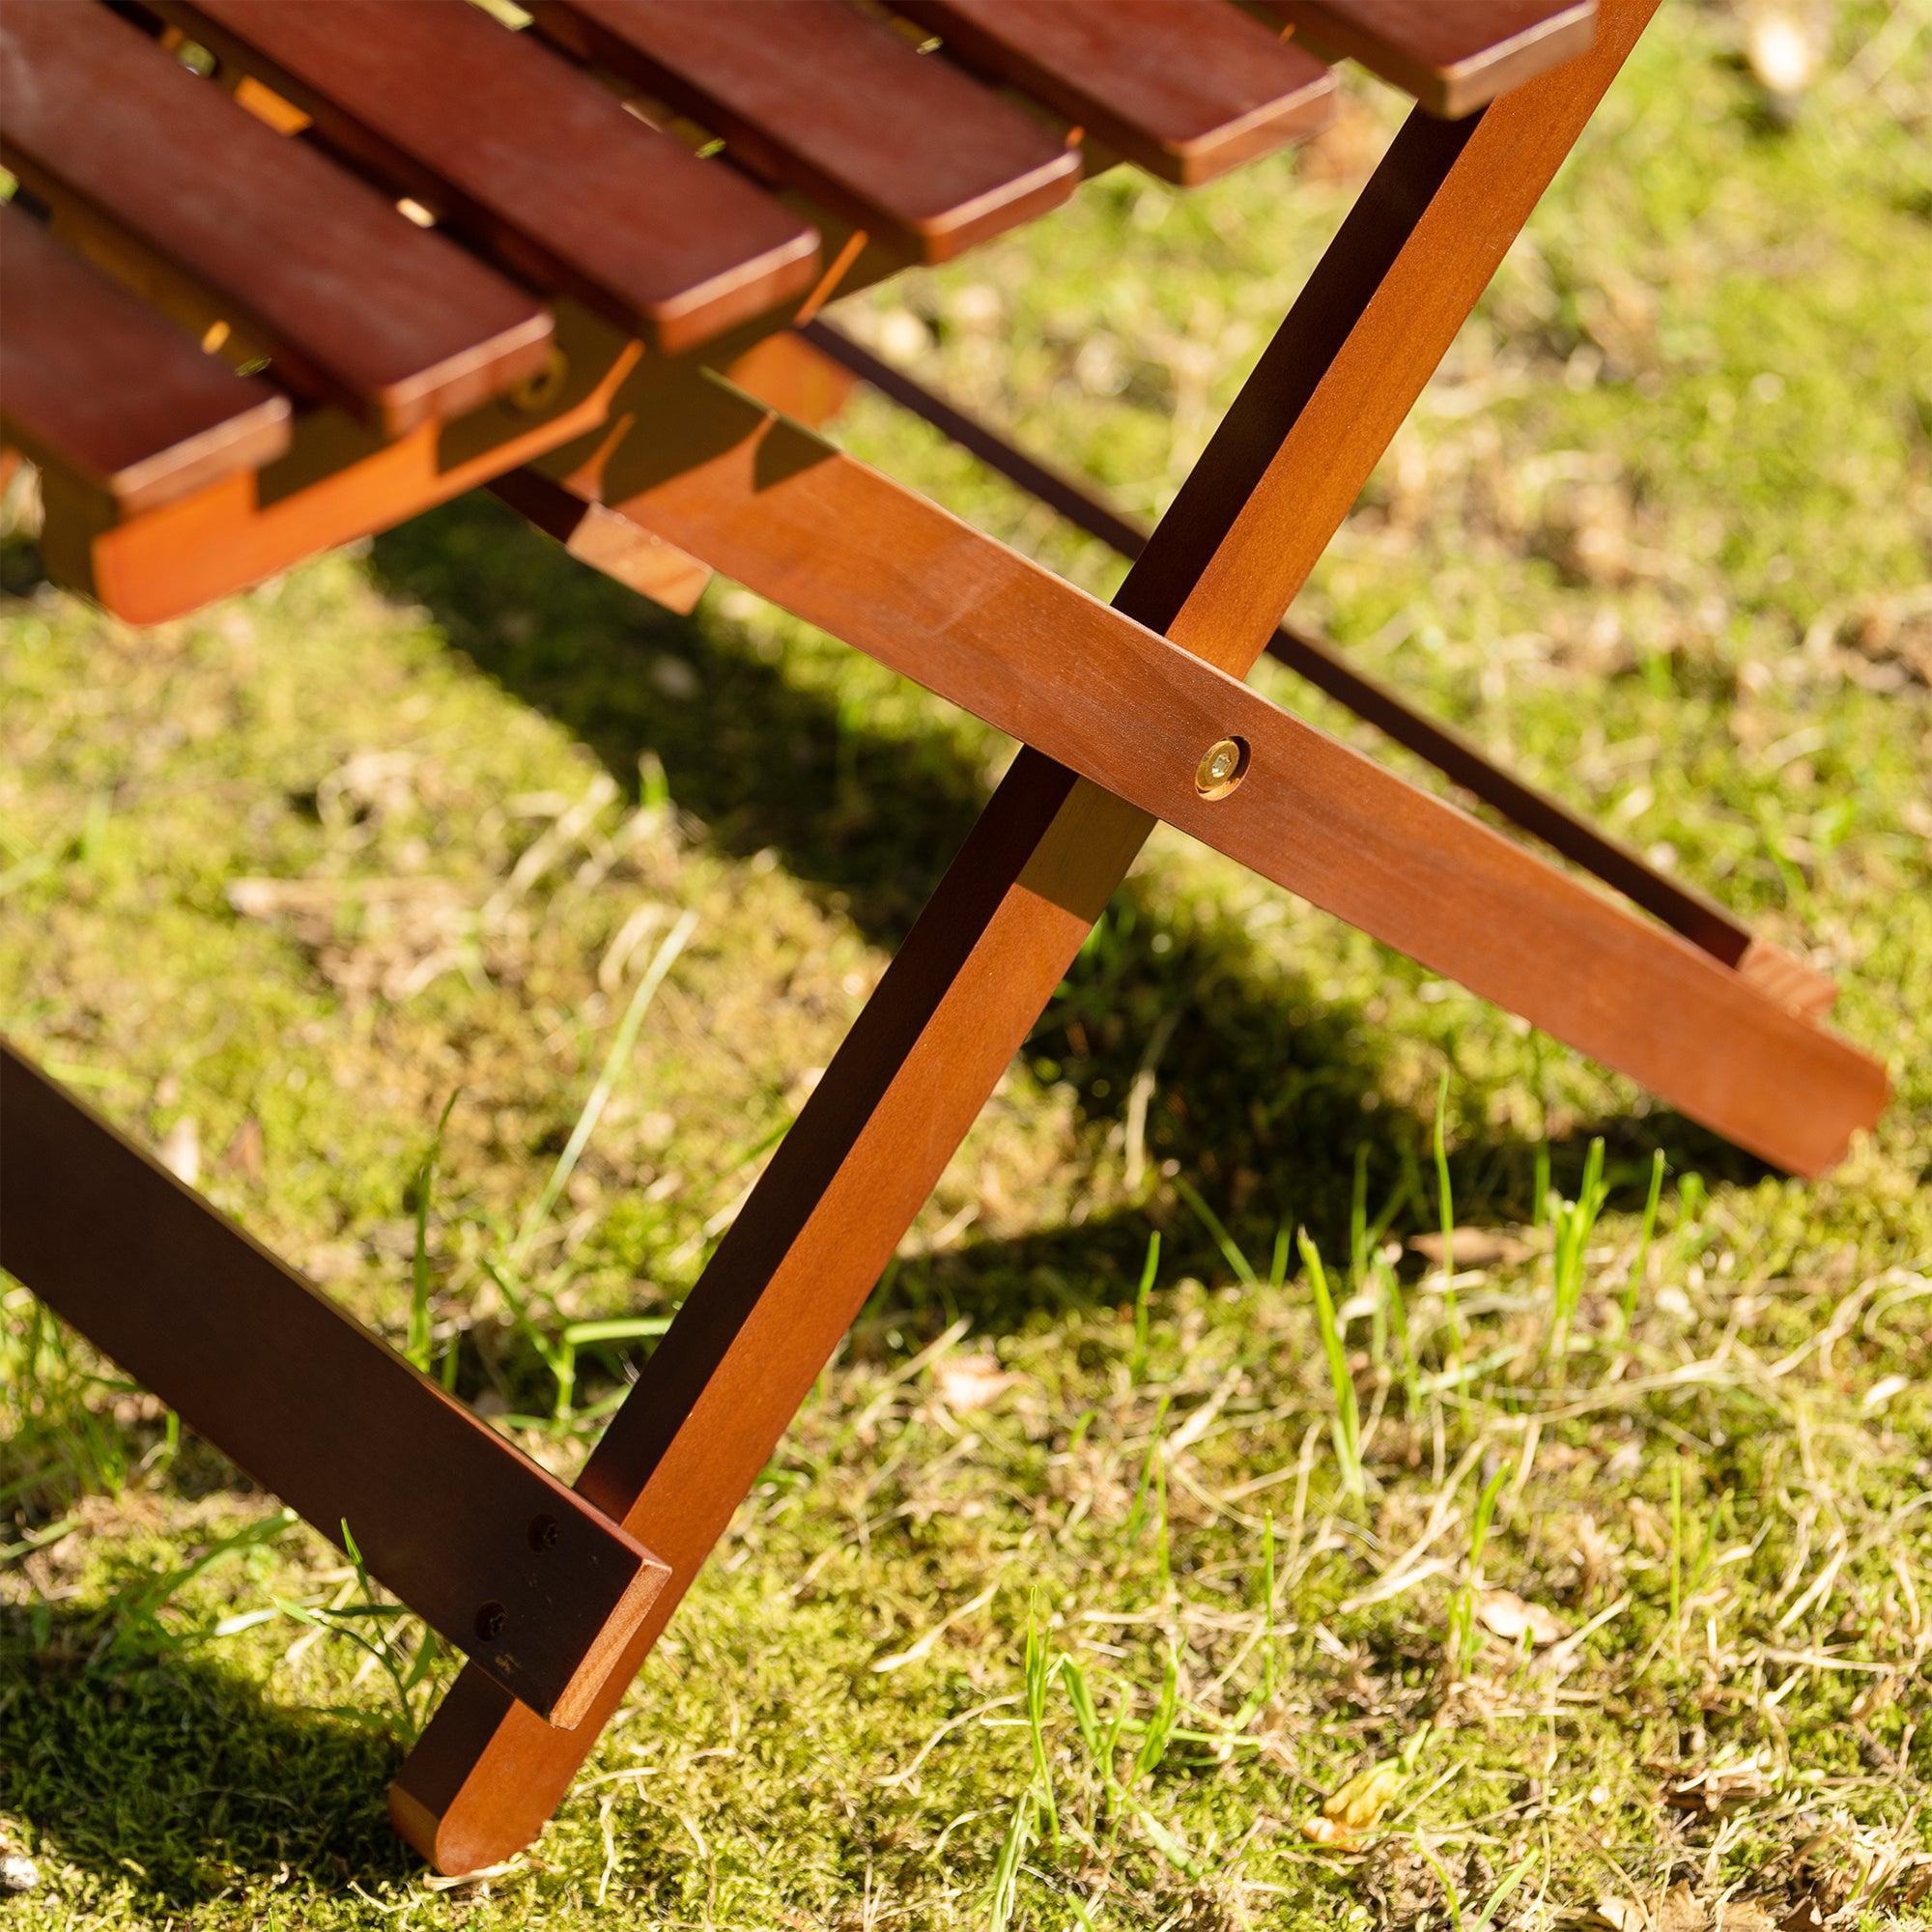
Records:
x=774, y=506
x=496, y=1554
x=1680, y=906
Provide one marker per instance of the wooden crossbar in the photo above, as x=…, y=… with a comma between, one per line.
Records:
x=782, y=511
x=493, y=1552
x=1679, y=904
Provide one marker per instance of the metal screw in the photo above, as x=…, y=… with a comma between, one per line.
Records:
x=1222, y=767
x=539, y=390
x=490, y=1621
x=544, y=1533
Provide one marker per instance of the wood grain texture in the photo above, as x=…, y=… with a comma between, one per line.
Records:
x=1011, y=912
x=621, y=548
x=1188, y=89
x=524, y=155
x=1452, y=55
x=340, y=480
x=447, y=1514
x=815, y=95
x=358, y=305
x=772, y=506
x=94, y=381
x=1681, y=906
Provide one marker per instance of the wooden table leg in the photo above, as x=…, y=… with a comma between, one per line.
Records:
x=1011, y=912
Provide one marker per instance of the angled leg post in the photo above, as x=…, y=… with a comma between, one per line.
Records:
x=1010, y=913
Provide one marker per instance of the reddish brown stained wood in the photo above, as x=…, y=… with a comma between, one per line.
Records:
x=468, y=1531
x=775, y=508
x=1791, y=981
x=1187, y=88
x=94, y=381
x=1699, y=918
x=616, y=546
x=524, y=155
x=339, y=480
x=1452, y=55
x=396, y=324
x=815, y=95
x=1013, y=911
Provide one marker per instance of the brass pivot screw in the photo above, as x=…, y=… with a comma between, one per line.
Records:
x=1223, y=765
x=542, y=387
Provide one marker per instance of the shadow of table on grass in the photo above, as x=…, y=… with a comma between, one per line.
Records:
x=1268, y=1088
x=166, y=1775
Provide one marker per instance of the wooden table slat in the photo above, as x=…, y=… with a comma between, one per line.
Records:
x=92, y=379
x=817, y=96
x=1455, y=56
x=1188, y=89
x=357, y=303
x=524, y=155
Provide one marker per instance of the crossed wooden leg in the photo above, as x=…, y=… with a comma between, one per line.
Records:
x=1011, y=912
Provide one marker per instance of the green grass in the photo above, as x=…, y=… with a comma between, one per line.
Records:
x=1056, y=1608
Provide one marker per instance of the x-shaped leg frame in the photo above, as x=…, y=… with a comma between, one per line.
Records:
x=1117, y=708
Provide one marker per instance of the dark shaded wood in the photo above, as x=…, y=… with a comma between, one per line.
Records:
x=524, y=155
x=464, y=1530
x=621, y=548
x=1453, y=55
x=1188, y=89
x=358, y=304
x=1013, y=911
x=93, y=381
x=1699, y=918
x=817, y=96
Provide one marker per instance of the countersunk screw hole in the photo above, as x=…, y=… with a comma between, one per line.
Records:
x=544, y=1533
x=1223, y=765
x=490, y=1621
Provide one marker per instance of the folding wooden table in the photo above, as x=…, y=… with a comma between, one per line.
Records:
x=430, y=252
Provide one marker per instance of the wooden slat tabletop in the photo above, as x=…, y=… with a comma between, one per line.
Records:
x=524, y=155
x=817, y=96
x=1188, y=89
x=357, y=303
x=1455, y=56
x=93, y=380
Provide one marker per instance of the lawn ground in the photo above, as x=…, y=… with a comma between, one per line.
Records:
x=1086, y=1580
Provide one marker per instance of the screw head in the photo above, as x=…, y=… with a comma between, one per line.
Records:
x=1223, y=766
x=490, y=1621
x=543, y=1532
x=539, y=390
